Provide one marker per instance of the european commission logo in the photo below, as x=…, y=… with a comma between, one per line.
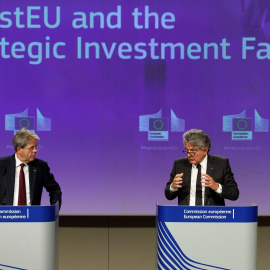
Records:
x=158, y=127
x=242, y=127
x=17, y=121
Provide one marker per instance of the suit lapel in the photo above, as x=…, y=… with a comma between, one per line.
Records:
x=10, y=180
x=210, y=172
x=210, y=166
x=32, y=180
x=187, y=179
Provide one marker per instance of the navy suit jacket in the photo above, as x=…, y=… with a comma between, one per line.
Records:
x=218, y=168
x=39, y=177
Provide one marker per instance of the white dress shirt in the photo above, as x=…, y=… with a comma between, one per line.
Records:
x=16, y=186
x=194, y=173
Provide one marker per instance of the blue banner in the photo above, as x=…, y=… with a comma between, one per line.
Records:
x=29, y=213
x=207, y=213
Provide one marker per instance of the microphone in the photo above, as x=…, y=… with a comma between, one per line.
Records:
x=211, y=172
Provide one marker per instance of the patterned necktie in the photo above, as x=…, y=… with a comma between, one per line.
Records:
x=198, y=200
x=22, y=189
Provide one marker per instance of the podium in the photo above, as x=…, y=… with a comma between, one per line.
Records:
x=206, y=237
x=28, y=237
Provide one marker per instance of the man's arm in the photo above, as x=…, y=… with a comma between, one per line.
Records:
x=230, y=189
x=174, y=183
x=52, y=187
x=223, y=182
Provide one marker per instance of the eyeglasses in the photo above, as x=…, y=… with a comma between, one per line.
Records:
x=33, y=148
x=190, y=153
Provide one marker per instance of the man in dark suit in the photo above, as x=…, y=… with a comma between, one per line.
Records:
x=201, y=178
x=22, y=176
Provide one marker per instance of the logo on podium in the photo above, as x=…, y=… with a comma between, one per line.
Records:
x=6, y=267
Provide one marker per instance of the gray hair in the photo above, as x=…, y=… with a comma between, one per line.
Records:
x=197, y=137
x=23, y=137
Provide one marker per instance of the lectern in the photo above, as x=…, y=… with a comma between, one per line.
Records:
x=28, y=237
x=206, y=237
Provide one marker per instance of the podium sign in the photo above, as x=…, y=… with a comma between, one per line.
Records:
x=28, y=237
x=206, y=237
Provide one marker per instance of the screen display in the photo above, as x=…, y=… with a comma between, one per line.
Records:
x=111, y=86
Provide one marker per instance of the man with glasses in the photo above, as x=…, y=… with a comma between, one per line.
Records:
x=201, y=178
x=22, y=176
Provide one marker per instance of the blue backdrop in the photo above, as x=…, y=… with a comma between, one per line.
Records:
x=110, y=87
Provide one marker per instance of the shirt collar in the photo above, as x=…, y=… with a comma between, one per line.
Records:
x=203, y=163
x=18, y=162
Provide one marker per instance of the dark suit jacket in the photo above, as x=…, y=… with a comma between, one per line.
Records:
x=218, y=168
x=39, y=177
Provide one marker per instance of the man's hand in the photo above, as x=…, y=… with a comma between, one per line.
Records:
x=208, y=181
x=177, y=181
